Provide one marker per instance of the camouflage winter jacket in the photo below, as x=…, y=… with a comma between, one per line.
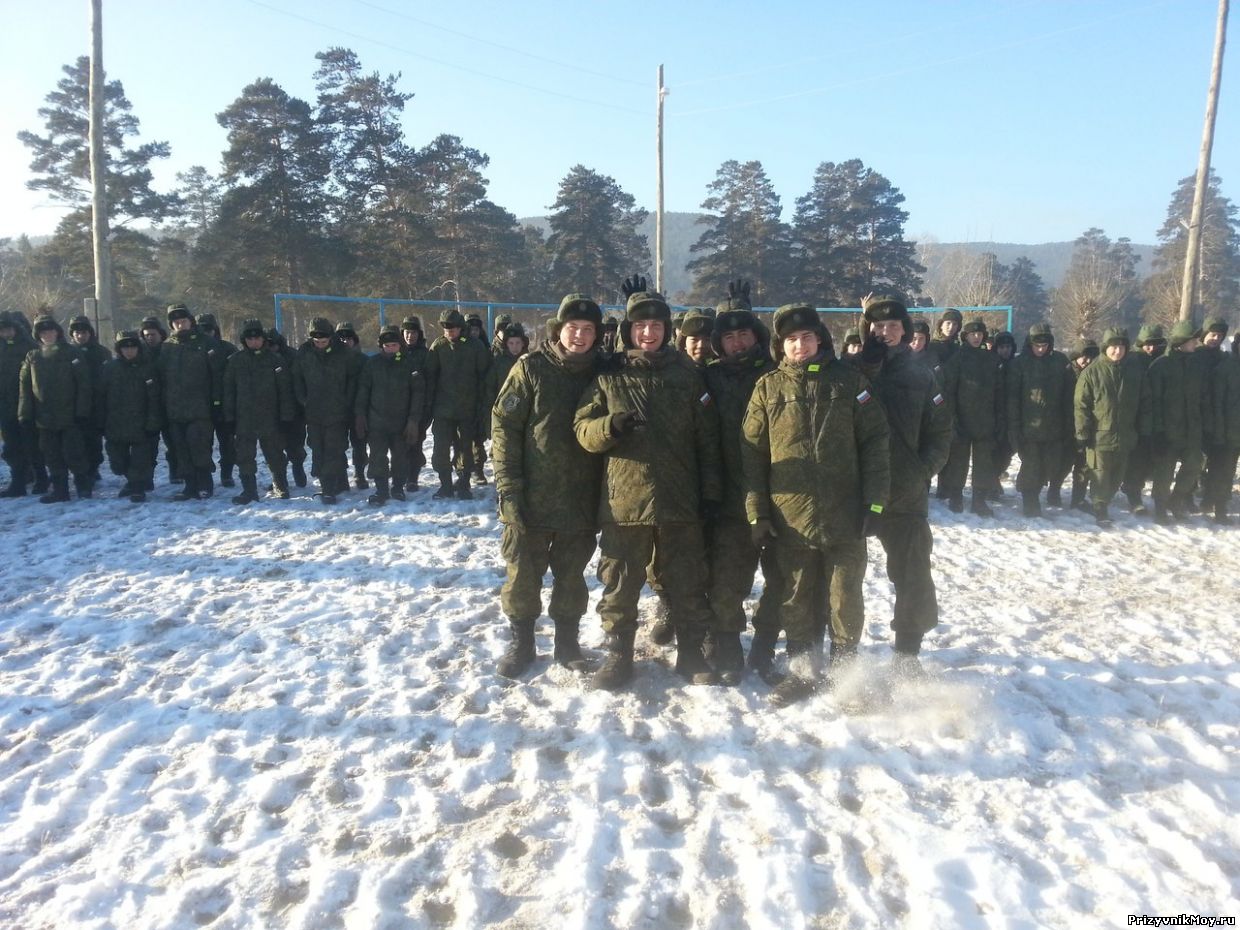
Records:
x=13, y=353
x=391, y=393
x=1178, y=397
x=1112, y=404
x=129, y=401
x=191, y=375
x=1225, y=403
x=455, y=373
x=815, y=452
x=731, y=382
x=663, y=471
x=55, y=387
x=325, y=384
x=972, y=387
x=1039, y=398
x=536, y=456
x=258, y=392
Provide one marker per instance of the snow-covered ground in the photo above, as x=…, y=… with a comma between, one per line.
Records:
x=286, y=716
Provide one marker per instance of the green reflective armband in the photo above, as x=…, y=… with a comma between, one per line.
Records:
x=876, y=508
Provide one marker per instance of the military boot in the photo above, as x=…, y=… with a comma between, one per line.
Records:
x=979, y=507
x=955, y=503
x=249, y=490
x=15, y=489
x=480, y=476
x=189, y=492
x=1032, y=508
x=412, y=484
x=905, y=665
x=1161, y=517
x=360, y=482
x=380, y=497
x=57, y=492
x=1054, y=497
x=617, y=669
x=445, y=491
x=567, y=649
x=728, y=657
x=804, y=677
x=398, y=491
x=226, y=478
x=521, y=653
x=662, y=633
x=1220, y=515
x=279, y=486
x=41, y=480
x=84, y=486
x=462, y=488
x=1078, y=498
x=204, y=486
x=761, y=659
x=1136, y=506
x=691, y=664
x=842, y=659
x=299, y=474
x=1101, y=515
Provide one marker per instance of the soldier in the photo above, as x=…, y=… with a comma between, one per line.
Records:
x=153, y=337
x=192, y=383
x=455, y=370
x=611, y=325
x=222, y=351
x=347, y=337
x=947, y=337
x=1003, y=345
x=55, y=398
x=1177, y=384
x=852, y=343
x=693, y=337
x=1112, y=408
x=475, y=329
x=920, y=440
x=743, y=346
x=971, y=386
x=391, y=398
x=516, y=344
x=502, y=322
x=130, y=413
x=548, y=485
x=325, y=382
x=651, y=418
x=1152, y=343
x=1074, y=456
x=416, y=352
x=82, y=336
x=817, y=473
x=1039, y=391
x=19, y=441
x=1225, y=430
x=1217, y=470
x=293, y=431
x=258, y=402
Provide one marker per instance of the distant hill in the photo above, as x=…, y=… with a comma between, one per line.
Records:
x=683, y=229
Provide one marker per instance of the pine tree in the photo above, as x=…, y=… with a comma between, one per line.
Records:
x=747, y=239
x=1100, y=287
x=1026, y=292
x=594, y=241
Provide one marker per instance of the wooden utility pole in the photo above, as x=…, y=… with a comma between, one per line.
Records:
x=658, y=209
x=104, y=321
x=1188, y=286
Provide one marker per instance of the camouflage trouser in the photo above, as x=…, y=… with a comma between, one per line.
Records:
x=1220, y=476
x=679, y=562
x=1038, y=463
x=246, y=451
x=1185, y=480
x=360, y=457
x=132, y=461
x=1140, y=468
x=227, y=441
x=1105, y=469
x=385, y=443
x=63, y=452
x=529, y=553
x=732, y=559
x=192, y=445
x=953, y=474
x=907, y=540
x=453, y=446
x=327, y=446
x=841, y=568
x=17, y=443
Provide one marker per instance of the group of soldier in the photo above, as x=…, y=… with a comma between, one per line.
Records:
x=688, y=451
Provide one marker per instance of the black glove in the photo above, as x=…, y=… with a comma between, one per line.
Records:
x=709, y=511
x=873, y=351
x=738, y=291
x=624, y=423
x=761, y=532
x=633, y=285
x=873, y=520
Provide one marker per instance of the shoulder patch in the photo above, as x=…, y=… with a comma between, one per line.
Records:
x=704, y=400
x=76, y=361
x=150, y=380
x=814, y=367
x=864, y=397
x=937, y=400
x=511, y=403
x=279, y=368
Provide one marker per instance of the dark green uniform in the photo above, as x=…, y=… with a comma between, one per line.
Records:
x=96, y=357
x=1225, y=433
x=222, y=350
x=455, y=371
x=1218, y=468
x=391, y=396
x=55, y=398
x=258, y=402
x=19, y=440
x=815, y=456
x=325, y=385
x=972, y=389
x=293, y=431
x=358, y=444
x=192, y=382
x=417, y=353
x=1141, y=461
x=1177, y=384
x=130, y=413
x=1039, y=414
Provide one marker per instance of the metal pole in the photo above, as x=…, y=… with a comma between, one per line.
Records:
x=98, y=181
x=1188, y=287
x=658, y=211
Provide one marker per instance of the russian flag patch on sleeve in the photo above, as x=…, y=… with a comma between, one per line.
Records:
x=863, y=397
x=937, y=400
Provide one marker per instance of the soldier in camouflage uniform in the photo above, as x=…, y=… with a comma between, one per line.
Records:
x=502, y=322
x=224, y=350
x=154, y=335
x=19, y=441
x=347, y=337
x=1153, y=344
x=258, y=403
x=946, y=339
x=1112, y=408
x=742, y=345
x=852, y=343
x=1177, y=384
x=516, y=343
x=82, y=336
x=292, y=432
x=817, y=469
x=55, y=397
x=651, y=418
x=1225, y=432
x=548, y=485
x=1040, y=387
x=1074, y=456
x=1218, y=470
x=130, y=413
x=476, y=329
x=920, y=440
x=391, y=400
x=611, y=326
x=417, y=353
x=455, y=371
x=972, y=387
x=191, y=375
x=693, y=337
x=325, y=384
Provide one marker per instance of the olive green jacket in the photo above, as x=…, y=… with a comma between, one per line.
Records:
x=663, y=471
x=1039, y=398
x=13, y=354
x=815, y=452
x=455, y=373
x=1225, y=403
x=731, y=382
x=391, y=393
x=534, y=450
x=972, y=387
x=258, y=392
x=325, y=384
x=191, y=375
x=1178, y=395
x=129, y=404
x=55, y=387
x=1112, y=404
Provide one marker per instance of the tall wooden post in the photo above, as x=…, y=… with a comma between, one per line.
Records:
x=1188, y=285
x=98, y=180
x=658, y=210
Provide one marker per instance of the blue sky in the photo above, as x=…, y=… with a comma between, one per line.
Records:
x=1006, y=121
